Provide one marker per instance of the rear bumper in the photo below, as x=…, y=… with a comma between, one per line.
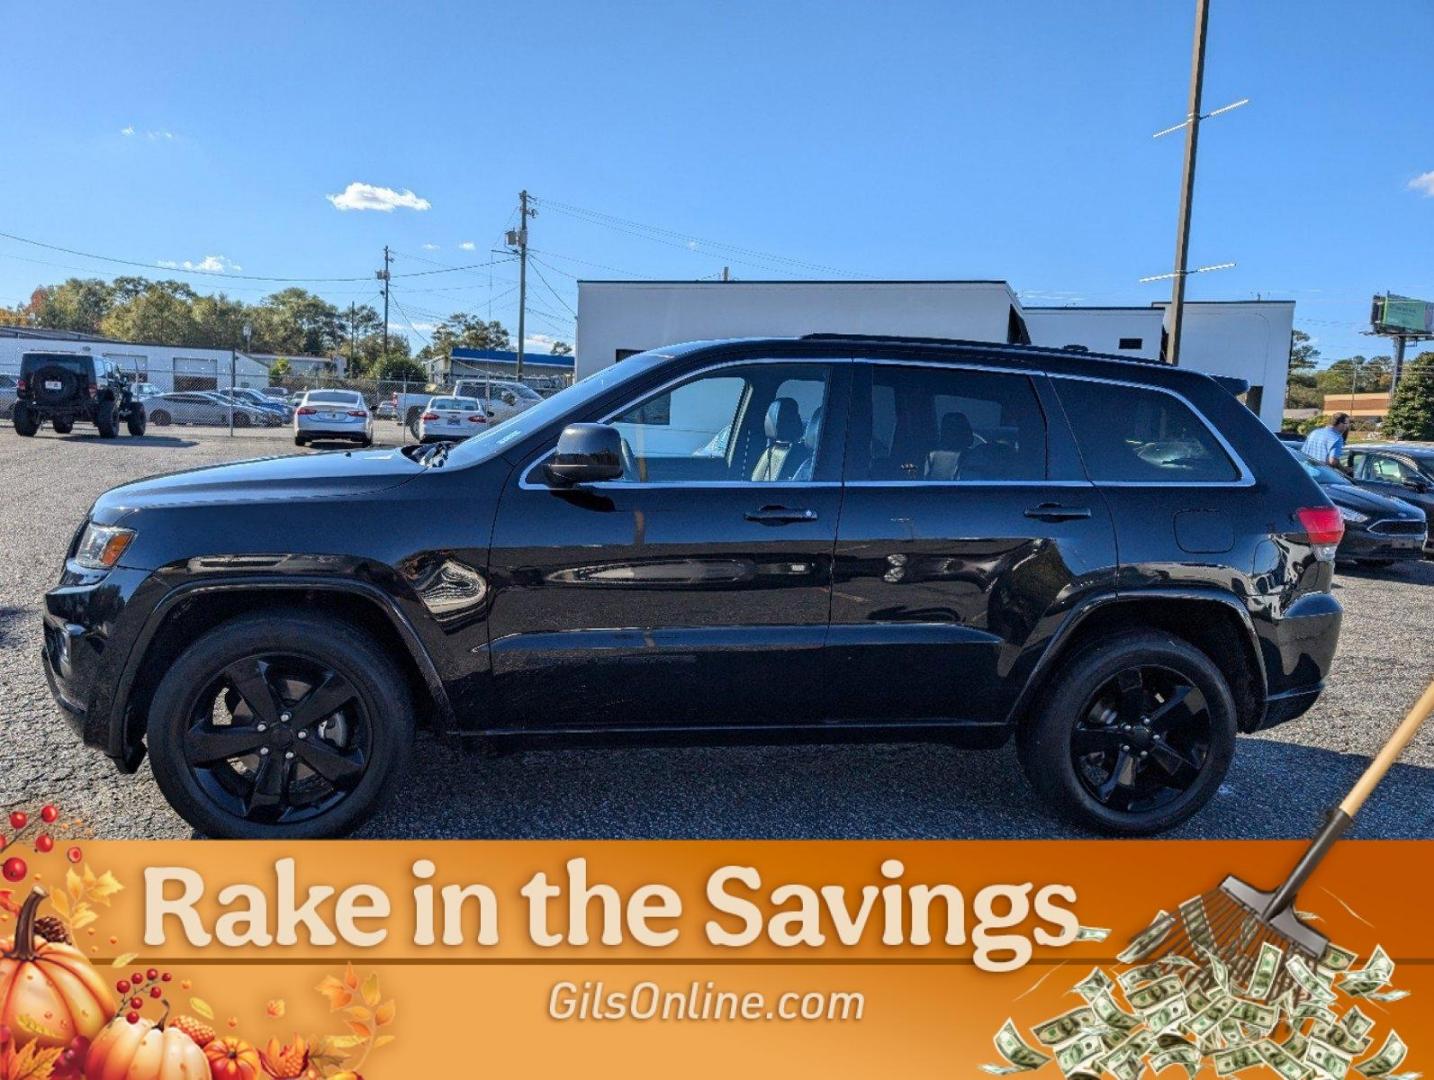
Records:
x=1298, y=646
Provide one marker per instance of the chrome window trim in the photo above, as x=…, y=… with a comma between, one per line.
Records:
x=525, y=484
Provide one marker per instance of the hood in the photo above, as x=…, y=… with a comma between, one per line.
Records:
x=299, y=476
x=1367, y=502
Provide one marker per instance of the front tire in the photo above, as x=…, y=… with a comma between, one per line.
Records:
x=161, y=418
x=107, y=419
x=1134, y=735
x=136, y=422
x=25, y=421
x=319, y=728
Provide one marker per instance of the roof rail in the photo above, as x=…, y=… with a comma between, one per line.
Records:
x=1066, y=350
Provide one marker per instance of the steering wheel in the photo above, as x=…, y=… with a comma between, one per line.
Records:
x=629, y=463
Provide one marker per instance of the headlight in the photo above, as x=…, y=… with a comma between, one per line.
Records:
x=102, y=545
x=1354, y=517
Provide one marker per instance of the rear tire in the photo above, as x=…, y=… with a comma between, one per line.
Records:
x=412, y=420
x=1080, y=727
x=62, y=427
x=372, y=726
x=107, y=419
x=241, y=419
x=161, y=418
x=299, y=440
x=366, y=442
x=25, y=421
x=136, y=422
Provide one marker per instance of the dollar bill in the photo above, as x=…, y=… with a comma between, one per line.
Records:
x=1168, y=1015
x=1281, y=1060
x=1355, y=1022
x=1336, y=959
x=1092, y=933
x=1327, y=1059
x=1217, y=969
x=1081, y=1051
x=1197, y=998
x=1153, y=995
x=1391, y=1055
x=1144, y=973
x=1065, y=1027
x=1184, y=1055
x=1338, y=1036
x=1112, y=1015
x=1267, y=966
x=1236, y=1058
x=1387, y=995
x=1375, y=974
x=1262, y=1017
x=1094, y=985
x=1308, y=981
x=1021, y=1057
x=1296, y=1044
x=1208, y=1019
x=1313, y=1010
x=1149, y=939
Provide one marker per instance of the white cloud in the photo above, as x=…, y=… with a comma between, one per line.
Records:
x=359, y=196
x=127, y=130
x=1424, y=184
x=468, y=245
x=430, y=247
x=210, y=264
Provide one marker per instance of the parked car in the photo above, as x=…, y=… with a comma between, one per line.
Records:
x=1399, y=472
x=247, y=396
x=451, y=419
x=502, y=398
x=333, y=414
x=903, y=540
x=206, y=408
x=143, y=391
x=63, y=388
x=7, y=395
x=1378, y=530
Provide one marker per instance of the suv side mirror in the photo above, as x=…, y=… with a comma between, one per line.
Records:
x=586, y=454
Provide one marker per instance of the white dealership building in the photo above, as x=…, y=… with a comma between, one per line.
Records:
x=1248, y=339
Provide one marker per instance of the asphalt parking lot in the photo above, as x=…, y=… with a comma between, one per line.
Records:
x=1279, y=786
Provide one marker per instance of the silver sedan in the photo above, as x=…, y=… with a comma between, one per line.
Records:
x=333, y=414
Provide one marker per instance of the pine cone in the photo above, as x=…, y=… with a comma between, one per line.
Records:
x=52, y=929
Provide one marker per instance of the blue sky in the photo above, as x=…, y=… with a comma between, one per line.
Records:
x=946, y=140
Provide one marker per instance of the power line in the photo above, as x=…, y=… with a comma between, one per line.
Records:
x=537, y=267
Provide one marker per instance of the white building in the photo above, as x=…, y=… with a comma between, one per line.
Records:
x=1247, y=339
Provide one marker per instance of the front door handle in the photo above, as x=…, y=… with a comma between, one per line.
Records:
x=1057, y=512
x=780, y=515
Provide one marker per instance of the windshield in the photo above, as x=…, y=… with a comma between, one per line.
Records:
x=1321, y=474
x=523, y=390
x=483, y=446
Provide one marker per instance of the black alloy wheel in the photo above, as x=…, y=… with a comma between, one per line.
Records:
x=1142, y=740
x=278, y=738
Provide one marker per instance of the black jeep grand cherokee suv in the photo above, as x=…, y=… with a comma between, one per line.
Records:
x=822, y=539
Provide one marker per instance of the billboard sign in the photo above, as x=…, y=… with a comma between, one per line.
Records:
x=1402, y=315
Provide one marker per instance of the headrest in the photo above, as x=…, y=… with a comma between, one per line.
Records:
x=784, y=421
x=813, y=434
x=956, y=432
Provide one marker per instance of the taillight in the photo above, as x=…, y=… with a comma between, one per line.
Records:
x=1325, y=528
x=20, y=385
x=94, y=390
x=430, y=416
x=477, y=419
x=357, y=412
x=306, y=410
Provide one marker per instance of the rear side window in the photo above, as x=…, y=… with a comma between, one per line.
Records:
x=940, y=424
x=1132, y=434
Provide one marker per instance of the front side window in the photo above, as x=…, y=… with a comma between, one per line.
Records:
x=1133, y=434
x=755, y=423
x=1387, y=470
x=948, y=425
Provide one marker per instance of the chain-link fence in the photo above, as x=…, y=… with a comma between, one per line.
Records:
x=236, y=395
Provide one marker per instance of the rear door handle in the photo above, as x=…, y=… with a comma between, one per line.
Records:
x=1057, y=512
x=780, y=515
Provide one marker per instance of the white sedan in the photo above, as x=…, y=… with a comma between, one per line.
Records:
x=333, y=414
x=452, y=418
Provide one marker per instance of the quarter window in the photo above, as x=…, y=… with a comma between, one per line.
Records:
x=948, y=424
x=1135, y=435
x=758, y=423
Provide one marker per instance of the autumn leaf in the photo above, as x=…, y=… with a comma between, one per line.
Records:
x=371, y=994
x=338, y=994
x=61, y=904
x=363, y=1031
x=343, y=1042
x=384, y=1014
x=202, y=1007
x=33, y=1063
x=7, y=902
x=74, y=885
x=359, y=1013
x=103, y=888
x=383, y=1040
x=123, y=960
x=276, y=1008
x=351, y=979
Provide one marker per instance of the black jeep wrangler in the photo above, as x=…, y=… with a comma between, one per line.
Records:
x=65, y=387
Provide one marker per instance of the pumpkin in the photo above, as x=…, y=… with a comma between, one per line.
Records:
x=49, y=993
x=232, y=1059
x=144, y=1050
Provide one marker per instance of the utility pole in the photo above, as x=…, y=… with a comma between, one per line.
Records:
x=353, y=334
x=1187, y=182
x=519, y=238
x=383, y=276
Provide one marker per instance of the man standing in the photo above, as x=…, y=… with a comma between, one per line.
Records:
x=1326, y=444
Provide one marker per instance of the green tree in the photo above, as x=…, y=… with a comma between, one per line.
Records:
x=162, y=311
x=561, y=348
x=295, y=321
x=1411, y=413
x=79, y=304
x=219, y=322
x=279, y=371
x=465, y=331
x=1301, y=392
x=401, y=368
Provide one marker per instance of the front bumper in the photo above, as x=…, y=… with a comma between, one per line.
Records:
x=91, y=622
x=1366, y=544
x=1297, y=645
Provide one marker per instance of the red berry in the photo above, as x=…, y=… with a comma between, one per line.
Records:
x=44, y=844
x=132, y=1017
x=48, y=814
x=152, y=974
x=165, y=977
x=14, y=869
x=136, y=1003
x=19, y=819
x=74, y=854
x=122, y=986
x=137, y=978
x=155, y=991
x=4, y=841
